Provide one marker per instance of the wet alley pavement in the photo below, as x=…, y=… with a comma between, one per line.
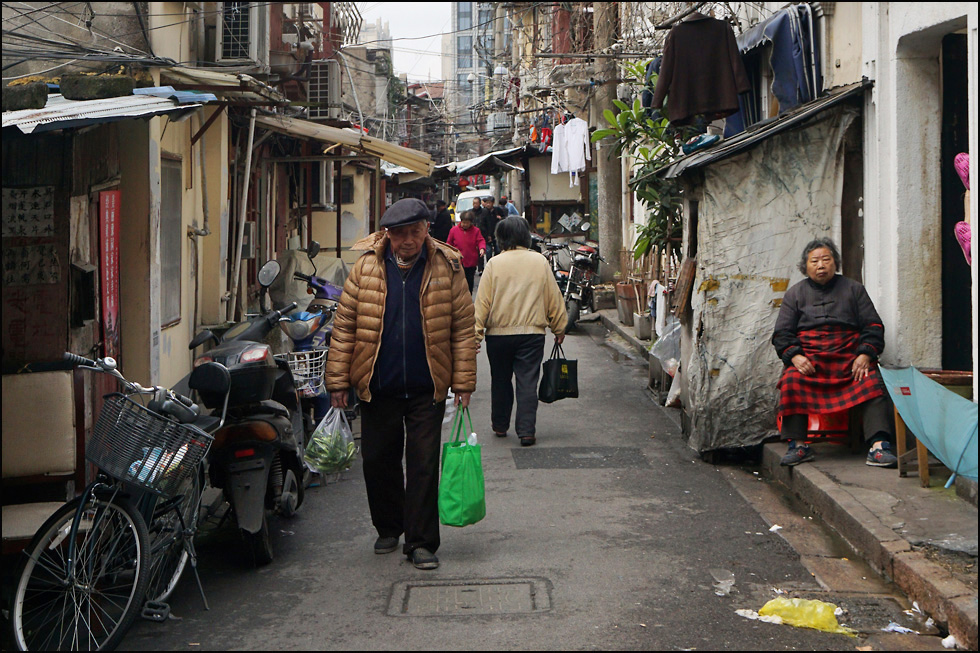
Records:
x=924, y=539
x=609, y=533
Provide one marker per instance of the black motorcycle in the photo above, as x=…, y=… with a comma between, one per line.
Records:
x=583, y=274
x=257, y=456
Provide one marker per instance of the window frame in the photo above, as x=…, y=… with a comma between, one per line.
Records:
x=171, y=249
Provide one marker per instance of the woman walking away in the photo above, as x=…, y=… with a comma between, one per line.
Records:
x=469, y=241
x=517, y=299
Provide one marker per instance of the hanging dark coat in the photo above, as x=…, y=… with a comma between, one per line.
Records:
x=701, y=72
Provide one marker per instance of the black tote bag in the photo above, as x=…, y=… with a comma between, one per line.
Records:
x=559, y=377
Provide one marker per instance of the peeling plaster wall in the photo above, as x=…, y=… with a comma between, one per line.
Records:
x=900, y=51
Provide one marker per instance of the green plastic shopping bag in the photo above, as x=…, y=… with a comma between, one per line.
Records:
x=461, y=496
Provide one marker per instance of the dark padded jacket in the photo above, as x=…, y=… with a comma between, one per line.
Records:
x=841, y=302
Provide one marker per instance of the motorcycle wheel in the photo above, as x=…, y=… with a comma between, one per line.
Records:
x=259, y=544
x=573, y=309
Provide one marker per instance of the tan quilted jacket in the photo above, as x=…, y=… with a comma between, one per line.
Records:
x=447, y=321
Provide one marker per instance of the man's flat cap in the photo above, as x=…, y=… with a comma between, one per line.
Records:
x=406, y=211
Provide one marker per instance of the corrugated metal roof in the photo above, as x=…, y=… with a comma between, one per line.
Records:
x=229, y=86
x=490, y=162
x=60, y=113
x=420, y=162
x=182, y=97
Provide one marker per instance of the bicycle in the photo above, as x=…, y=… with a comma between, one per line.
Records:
x=129, y=535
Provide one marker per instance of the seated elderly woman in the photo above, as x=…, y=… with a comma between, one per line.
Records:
x=829, y=336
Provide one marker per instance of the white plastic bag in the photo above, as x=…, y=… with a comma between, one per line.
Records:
x=450, y=409
x=331, y=448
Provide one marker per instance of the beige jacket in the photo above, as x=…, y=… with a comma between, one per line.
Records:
x=518, y=295
x=447, y=321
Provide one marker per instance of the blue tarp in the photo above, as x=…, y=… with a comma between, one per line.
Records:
x=797, y=78
x=943, y=421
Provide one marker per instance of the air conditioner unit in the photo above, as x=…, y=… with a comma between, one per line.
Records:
x=243, y=33
x=325, y=90
x=498, y=120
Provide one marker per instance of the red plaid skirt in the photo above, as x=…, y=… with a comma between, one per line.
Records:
x=832, y=351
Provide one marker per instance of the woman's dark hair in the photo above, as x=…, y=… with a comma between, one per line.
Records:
x=817, y=244
x=466, y=215
x=513, y=232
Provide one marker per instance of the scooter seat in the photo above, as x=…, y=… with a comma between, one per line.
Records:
x=268, y=406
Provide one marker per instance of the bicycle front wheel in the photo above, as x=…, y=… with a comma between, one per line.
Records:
x=89, y=604
x=173, y=523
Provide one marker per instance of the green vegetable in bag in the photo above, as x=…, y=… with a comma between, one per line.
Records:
x=332, y=448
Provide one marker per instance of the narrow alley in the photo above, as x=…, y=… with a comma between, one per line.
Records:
x=606, y=535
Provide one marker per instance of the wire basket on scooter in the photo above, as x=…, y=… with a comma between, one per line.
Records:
x=307, y=368
x=135, y=445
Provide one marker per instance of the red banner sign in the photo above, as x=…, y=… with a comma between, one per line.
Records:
x=109, y=269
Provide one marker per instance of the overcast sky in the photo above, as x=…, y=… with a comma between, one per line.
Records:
x=419, y=58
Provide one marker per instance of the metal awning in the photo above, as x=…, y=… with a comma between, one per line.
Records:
x=60, y=113
x=238, y=87
x=420, y=162
x=761, y=132
x=486, y=163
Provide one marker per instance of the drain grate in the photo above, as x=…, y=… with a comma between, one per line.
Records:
x=579, y=458
x=447, y=598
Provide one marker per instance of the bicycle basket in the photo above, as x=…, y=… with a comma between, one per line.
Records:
x=135, y=445
x=307, y=368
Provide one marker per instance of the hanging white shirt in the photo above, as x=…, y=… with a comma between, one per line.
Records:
x=578, y=149
x=559, y=153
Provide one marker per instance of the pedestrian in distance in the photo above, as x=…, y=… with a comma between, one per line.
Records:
x=442, y=222
x=829, y=336
x=492, y=215
x=469, y=241
x=481, y=218
x=508, y=206
x=518, y=299
x=402, y=337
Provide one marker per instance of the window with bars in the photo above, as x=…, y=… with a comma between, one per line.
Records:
x=236, y=30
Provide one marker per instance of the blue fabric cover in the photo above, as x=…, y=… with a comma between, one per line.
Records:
x=789, y=32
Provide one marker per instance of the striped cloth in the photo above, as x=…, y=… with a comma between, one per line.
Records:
x=832, y=350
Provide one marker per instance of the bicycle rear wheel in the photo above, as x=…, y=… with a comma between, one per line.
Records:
x=91, y=605
x=168, y=551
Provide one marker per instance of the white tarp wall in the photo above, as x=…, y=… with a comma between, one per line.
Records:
x=758, y=211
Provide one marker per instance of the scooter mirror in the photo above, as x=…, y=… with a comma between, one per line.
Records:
x=268, y=273
x=313, y=249
x=202, y=338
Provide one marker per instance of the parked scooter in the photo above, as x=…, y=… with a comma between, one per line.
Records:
x=257, y=457
x=582, y=276
x=310, y=331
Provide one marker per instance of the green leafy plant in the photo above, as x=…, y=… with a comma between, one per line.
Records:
x=653, y=143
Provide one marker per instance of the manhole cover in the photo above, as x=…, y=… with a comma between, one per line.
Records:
x=579, y=458
x=448, y=598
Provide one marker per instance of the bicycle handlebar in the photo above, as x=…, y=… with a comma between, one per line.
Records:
x=79, y=360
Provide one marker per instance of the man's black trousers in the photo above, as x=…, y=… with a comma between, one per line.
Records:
x=403, y=502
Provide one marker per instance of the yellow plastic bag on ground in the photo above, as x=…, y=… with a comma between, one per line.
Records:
x=806, y=613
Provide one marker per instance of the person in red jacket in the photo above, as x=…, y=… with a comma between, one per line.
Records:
x=470, y=243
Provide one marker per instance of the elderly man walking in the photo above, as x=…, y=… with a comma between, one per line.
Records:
x=403, y=336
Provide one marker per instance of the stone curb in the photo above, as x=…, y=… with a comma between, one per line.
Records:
x=938, y=593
